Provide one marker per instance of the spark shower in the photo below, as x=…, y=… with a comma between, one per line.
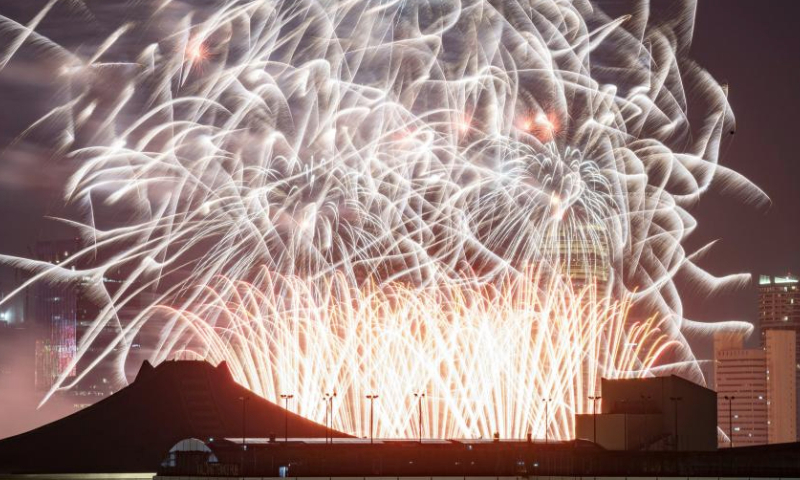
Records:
x=389, y=197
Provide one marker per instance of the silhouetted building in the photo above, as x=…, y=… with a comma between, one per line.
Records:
x=98, y=381
x=62, y=314
x=189, y=419
x=453, y=459
x=658, y=413
x=12, y=331
x=11, y=336
x=132, y=430
x=51, y=308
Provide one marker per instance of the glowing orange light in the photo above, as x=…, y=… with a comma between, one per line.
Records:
x=196, y=51
x=464, y=123
x=485, y=354
x=543, y=126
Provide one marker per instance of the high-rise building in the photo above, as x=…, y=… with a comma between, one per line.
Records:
x=756, y=391
x=51, y=309
x=781, y=386
x=99, y=381
x=779, y=309
x=581, y=253
x=740, y=376
x=61, y=314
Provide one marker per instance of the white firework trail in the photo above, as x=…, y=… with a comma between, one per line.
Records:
x=436, y=145
x=485, y=358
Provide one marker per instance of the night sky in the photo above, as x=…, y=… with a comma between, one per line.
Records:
x=755, y=51
x=742, y=43
x=751, y=46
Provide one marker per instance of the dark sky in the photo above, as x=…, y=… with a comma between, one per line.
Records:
x=755, y=51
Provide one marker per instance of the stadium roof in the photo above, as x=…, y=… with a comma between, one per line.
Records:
x=134, y=429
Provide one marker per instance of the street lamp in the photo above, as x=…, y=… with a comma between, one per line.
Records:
x=594, y=400
x=730, y=400
x=286, y=398
x=624, y=402
x=244, y=433
x=675, y=400
x=329, y=404
x=371, y=398
x=325, y=401
x=420, y=396
x=645, y=403
x=547, y=419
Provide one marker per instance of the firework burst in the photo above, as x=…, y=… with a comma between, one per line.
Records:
x=391, y=150
x=484, y=357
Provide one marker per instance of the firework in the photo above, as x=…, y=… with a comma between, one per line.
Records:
x=486, y=358
x=394, y=150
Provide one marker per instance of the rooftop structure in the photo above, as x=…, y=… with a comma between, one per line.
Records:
x=184, y=419
x=132, y=430
x=658, y=413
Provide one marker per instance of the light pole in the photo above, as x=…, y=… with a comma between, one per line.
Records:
x=625, y=423
x=547, y=420
x=730, y=400
x=329, y=404
x=419, y=397
x=675, y=400
x=594, y=400
x=244, y=433
x=645, y=403
x=371, y=398
x=325, y=401
x=286, y=398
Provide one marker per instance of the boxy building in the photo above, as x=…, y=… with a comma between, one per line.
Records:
x=659, y=413
x=779, y=309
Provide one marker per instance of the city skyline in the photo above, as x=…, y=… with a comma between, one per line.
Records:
x=461, y=206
